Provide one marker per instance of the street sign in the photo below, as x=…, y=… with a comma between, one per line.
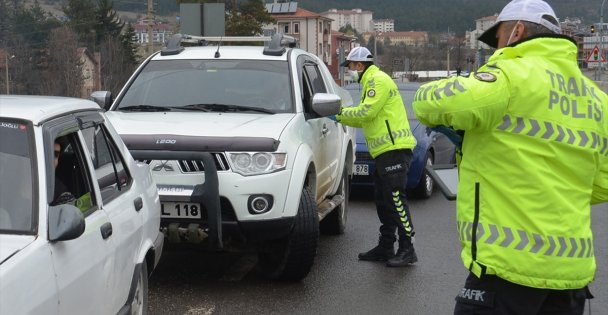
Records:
x=595, y=56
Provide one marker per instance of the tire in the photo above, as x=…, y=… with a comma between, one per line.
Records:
x=335, y=222
x=291, y=258
x=425, y=187
x=139, y=306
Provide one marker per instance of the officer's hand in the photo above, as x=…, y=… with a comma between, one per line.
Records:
x=333, y=117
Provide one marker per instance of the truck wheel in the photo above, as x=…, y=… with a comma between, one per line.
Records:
x=335, y=222
x=291, y=258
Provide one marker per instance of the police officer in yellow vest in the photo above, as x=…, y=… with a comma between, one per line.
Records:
x=533, y=155
x=381, y=114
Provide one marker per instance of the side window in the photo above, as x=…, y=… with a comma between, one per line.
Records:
x=306, y=92
x=316, y=80
x=110, y=172
x=72, y=178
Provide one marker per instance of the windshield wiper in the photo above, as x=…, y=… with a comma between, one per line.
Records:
x=145, y=108
x=226, y=108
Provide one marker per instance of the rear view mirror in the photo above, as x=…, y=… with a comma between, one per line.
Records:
x=324, y=104
x=65, y=222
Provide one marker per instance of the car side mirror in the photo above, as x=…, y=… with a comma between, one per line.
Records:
x=65, y=223
x=324, y=104
x=102, y=98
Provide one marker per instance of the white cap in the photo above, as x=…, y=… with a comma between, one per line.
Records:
x=358, y=53
x=522, y=10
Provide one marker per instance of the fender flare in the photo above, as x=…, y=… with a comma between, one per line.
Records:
x=300, y=170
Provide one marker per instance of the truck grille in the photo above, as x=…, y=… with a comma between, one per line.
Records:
x=193, y=166
x=196, y=166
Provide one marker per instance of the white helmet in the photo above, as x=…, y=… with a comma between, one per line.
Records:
x=358, y=53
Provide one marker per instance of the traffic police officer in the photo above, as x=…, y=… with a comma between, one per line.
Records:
x=381, y=114
x=534, y=160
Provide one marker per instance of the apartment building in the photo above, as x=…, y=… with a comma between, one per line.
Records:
x=481, y=25
x=384, y=25
x=312, y=30
x=359, y=19
x=411, y=38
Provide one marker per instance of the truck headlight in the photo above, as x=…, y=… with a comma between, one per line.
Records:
x=256, y=163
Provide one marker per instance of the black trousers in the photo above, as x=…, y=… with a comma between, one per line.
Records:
x=495, y=296
x=390, y=180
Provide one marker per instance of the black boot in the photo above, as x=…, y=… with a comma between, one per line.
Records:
x=378, y=253
x=406, y=255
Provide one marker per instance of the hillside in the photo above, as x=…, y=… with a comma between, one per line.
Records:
x=458, y=15
x=428, y=15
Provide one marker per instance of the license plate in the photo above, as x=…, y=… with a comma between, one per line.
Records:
x=182, y=210
x=361, y=169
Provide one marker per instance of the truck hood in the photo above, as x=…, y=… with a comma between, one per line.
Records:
x=11, y=244
x=200, y=124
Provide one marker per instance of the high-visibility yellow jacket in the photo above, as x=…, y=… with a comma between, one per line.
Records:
x=535, y=144
x=380, y=113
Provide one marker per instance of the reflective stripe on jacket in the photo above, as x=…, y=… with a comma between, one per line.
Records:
x=380, y=113
x=536, y=139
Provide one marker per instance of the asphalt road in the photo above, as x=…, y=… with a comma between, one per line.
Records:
x=187, y=282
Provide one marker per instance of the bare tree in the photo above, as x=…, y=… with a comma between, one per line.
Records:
x=64, y=76
x=116, y=67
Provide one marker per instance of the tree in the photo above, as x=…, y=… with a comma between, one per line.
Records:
x=82, y=19
x=108, y=23
x=247, y=19
x=107, y=34
x=64, y=76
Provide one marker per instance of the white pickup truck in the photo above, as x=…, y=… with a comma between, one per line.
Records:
x=281, y=168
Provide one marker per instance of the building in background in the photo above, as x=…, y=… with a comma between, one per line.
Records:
x=384, y=25
x=160, y=32
x=310, y=29
x=342, y=43
x=91, y=71
x=359, y=19
x=481, y=25
x=411, y=38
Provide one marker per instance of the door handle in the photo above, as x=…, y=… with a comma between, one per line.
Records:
x=106, y=230
x=138, y=203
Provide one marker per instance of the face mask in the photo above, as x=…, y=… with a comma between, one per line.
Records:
x=354, y=74
x=512, y=32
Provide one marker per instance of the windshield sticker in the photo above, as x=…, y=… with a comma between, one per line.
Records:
x=11, y=125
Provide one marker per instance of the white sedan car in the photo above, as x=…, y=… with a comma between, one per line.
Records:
x=79, y=218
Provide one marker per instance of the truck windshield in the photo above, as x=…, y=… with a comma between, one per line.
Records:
x=192, y=84
x=16, y=176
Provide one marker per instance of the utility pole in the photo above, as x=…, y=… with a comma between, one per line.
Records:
x=448, y=62
x=601, y=31
x=8, y=91
x=150, y=26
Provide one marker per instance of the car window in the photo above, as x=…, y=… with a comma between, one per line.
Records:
x=17, y=211
x=110, y=172
x=72, y=182
x=407, y=92
x=316, y=80
x=177, y=83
